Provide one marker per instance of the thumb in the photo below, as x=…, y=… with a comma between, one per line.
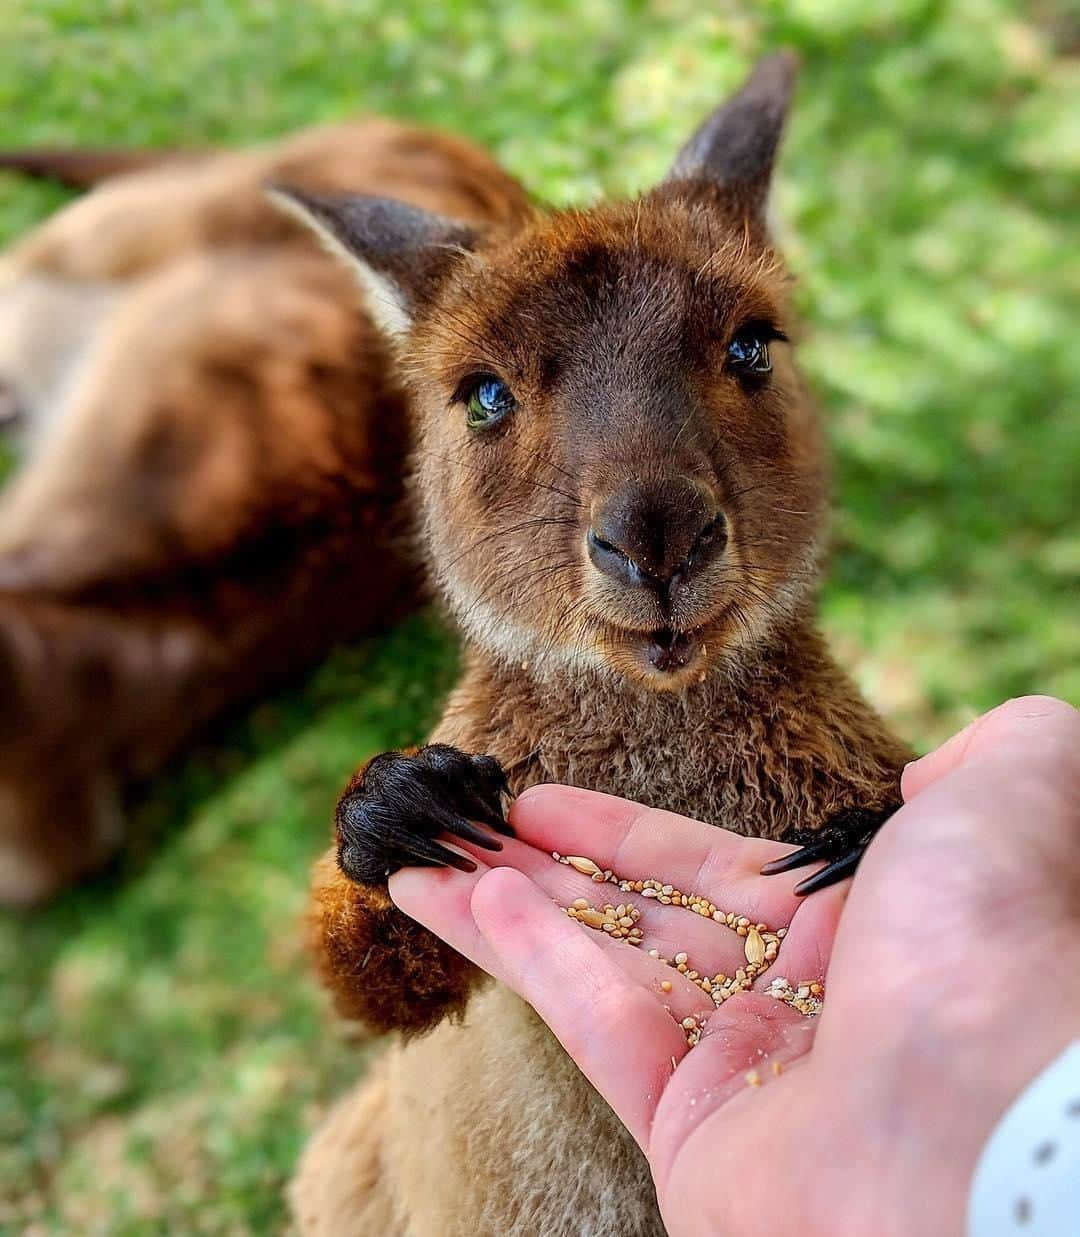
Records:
x=1012, y=726
x=619, y=1035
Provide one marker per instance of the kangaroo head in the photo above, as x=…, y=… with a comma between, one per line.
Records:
x=615, y=459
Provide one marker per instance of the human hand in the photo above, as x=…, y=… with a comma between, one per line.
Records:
x=949, y=984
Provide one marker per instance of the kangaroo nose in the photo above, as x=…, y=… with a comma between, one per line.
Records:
x=655, y=535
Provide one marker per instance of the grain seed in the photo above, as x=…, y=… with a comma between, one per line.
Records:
x=761, y=945
x=755, y=947
x=580, y=864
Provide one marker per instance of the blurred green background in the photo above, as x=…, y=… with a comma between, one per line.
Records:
x=163, y=1050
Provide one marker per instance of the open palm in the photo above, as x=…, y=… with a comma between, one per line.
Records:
x=867, y=1119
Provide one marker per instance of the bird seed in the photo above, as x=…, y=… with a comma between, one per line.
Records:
x=761, y=945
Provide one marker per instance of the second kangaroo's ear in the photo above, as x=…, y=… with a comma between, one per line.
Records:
x=399, y=252
x=735, y=147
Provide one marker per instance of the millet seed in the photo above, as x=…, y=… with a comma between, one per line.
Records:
x=761, y=945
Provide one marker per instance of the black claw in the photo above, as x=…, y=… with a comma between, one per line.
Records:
x=494, y=820
x=831, y=874
x=404, y=803
x=800, y=858
x=435, y=819
x=842, y=843
x=467, y=830
x=417, y=847
x=490, y=814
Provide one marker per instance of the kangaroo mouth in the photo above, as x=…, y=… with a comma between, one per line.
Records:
x=670, y=651
x=665, y=658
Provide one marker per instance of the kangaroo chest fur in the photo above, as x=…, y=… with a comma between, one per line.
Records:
x=535, y=1151
x=755, y=755
x=787, y=743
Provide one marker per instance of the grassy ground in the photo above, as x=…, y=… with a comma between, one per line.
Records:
x=164, y=1052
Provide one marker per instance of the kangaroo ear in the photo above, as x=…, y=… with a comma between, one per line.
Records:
x=735, y=147
x=399, y=252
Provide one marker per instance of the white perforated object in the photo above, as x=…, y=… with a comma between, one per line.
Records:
x=1027, y=1180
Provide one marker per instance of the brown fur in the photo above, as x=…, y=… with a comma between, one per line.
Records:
x=611, y=327
x=384, y=971
x=355, y=1199
x=189, y=203
x=212, y=495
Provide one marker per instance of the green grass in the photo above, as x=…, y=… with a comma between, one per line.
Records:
x=164, y=1052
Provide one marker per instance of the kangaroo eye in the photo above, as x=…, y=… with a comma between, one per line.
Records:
x=748, y=352
x=487, y=400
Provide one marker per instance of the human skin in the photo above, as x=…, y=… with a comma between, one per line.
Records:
x=950, y=983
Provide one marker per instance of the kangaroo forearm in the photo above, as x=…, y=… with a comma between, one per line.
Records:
x=382, y=967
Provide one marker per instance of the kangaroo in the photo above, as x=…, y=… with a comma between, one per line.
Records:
x=621, y=490
x=213, y=437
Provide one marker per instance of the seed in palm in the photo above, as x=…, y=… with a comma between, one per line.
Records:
x=807, y=998
x=761, y=945
x=618, y=922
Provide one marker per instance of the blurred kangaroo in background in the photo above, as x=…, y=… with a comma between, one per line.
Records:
x=213, y=451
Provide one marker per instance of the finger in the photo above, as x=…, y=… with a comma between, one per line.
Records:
x=1022, y=722
x=804, y=957
x=644, y=843
x=921, y=773
x=711, y=948
x=440, y=900
x=621, y=1038
x=745, y=1050
x=753, y=1038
